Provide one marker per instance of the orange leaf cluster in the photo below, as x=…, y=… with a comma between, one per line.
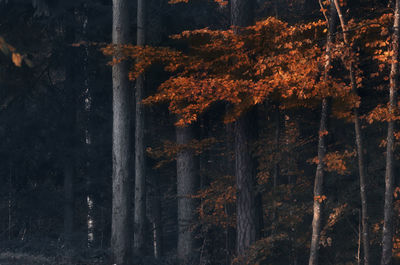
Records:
x=335, y=161
x=269, y=58
x=215, y=201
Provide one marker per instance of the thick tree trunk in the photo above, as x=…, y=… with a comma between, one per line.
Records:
x=140, y=177
x=359, y=144
x=186, y=187
x=120, y=232
x=319, y=175
x=246, y=214
x=246, y=227
x=387, y=235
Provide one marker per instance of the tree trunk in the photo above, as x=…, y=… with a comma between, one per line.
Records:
x=86, y=135
x=242, y=13
x=69, y=170
x=70, y=115
x=140, y=177
x=186, y=184
x=387, y=235
x=318, y=186
x=229, y=167
x=155, y=204
x=319, y=175
x=359, y=144
x=120, y=232
x=275, y=173
x=246, y=227
x=246, y=217
x=10, y=201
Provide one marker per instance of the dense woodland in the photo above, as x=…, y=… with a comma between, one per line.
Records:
x=199, y=132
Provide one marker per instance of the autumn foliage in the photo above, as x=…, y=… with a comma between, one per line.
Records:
x=277, y=63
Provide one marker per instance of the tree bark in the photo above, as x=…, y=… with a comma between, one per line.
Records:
x=275, y=173
x=86, y=134
x=140, y=177
x=246, y=227
x=319, y=175
x=186, y=187
x=318, y=187
x=387, y=234
x=120, y=225
x=155, y=216
x=69, y=170
x=246, y=215
x=359, y=144
x=229, y=167
x=70, y=115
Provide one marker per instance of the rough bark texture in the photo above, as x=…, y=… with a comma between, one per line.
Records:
x=140, y=177
x=319, y=175
x=387, y=234
x=246, y=217
x=246, y=226
x=186, y=184
x=359, y=144
x=120, y=232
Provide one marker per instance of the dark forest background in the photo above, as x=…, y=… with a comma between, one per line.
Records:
x=57, y=169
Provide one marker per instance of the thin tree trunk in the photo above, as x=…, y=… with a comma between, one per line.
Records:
x=229, y=168
x=319, y=175
x=246, y=217
x=70, y=114
x=86, y=102
x=140, y=177
x=275, y=172
x=68, y=199
x=318, y=186
x=120, y=225
x=186, y=183
x=155, y=202
x=359, y=143
x=10, y=200
x=387, y=235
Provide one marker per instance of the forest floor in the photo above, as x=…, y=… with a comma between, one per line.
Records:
x=15, y=258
